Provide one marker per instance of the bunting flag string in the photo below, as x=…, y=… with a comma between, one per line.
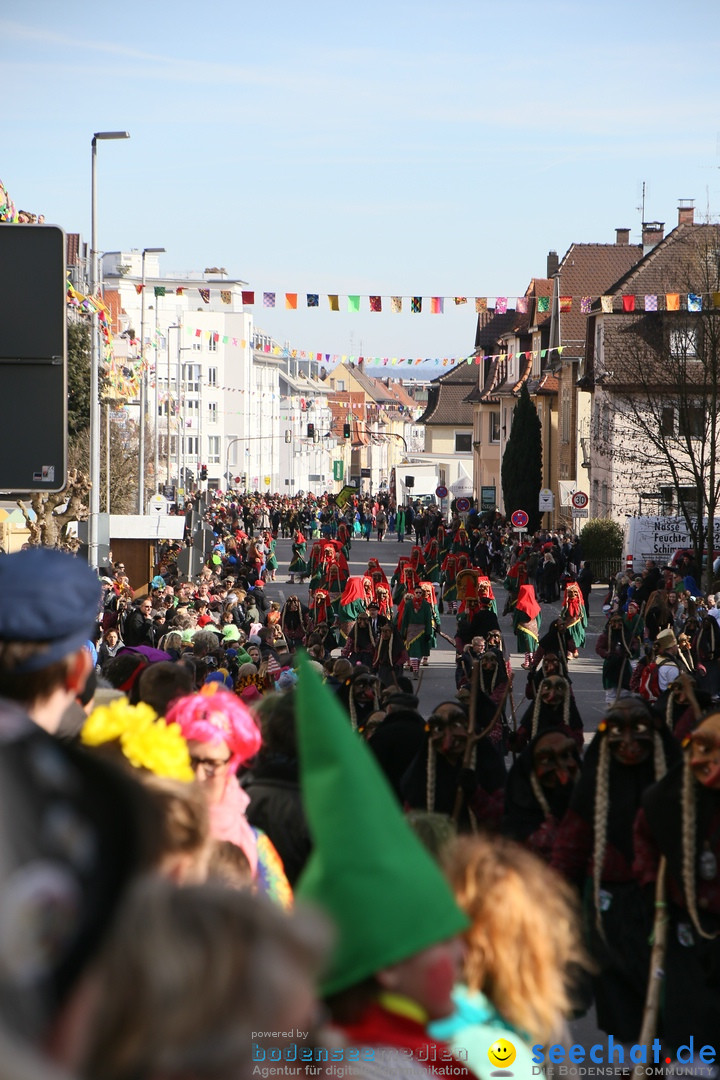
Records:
x=330, y=359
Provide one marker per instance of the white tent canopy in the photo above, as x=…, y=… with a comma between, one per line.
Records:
x=463, y=486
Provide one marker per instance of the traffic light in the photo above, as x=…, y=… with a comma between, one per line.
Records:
x=243, y=480
x=203, y=472
x=346, y=431
x=311, y=431
x=288, y=435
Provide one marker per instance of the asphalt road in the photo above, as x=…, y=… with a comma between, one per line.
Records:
x=438, y=679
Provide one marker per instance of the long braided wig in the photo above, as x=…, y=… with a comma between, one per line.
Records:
x=539, y=703
x=689, y=848
x=601, y=808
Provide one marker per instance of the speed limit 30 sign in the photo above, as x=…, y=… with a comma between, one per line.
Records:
x=579, y=500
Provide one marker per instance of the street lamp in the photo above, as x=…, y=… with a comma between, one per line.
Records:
x=94, y=510
x=143, y=385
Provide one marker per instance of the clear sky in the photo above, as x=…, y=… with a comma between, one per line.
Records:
x=388, y=148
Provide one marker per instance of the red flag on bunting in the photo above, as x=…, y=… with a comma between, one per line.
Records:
x=248, y=297
x=628, y=302
x=566, y=303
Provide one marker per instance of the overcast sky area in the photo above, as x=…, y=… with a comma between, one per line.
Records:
x=381, y=148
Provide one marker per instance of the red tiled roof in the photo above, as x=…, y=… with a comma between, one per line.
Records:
x=665, y=268
x=589, y=270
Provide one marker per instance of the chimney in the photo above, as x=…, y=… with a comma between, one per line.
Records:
x=686, y=212
x=553, y=263
x=652, y=234
x=622, y=237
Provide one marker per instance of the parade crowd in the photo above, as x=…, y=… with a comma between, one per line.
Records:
x=232, y=841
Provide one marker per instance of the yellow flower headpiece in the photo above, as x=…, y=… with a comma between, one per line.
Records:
x=146, y=742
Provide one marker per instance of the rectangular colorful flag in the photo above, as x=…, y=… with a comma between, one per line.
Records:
x=651, y=302
x=268, y=299
x=437, y=305
x=179, y=292
x=376, y=303
x=672, y=301
x=416, y=304
x=313, y=299
x=248, y=297
x=694, y=302
x=543, y=304
x=628, y=302
x=500, y=305
x=216, y=337
x=205, y=294
x=460, y=299
x=334, y=302
x=159, y=290
x=226, y=296
x=396, y=304
x=480, y=303
x=353, y=303
x=291, y=301
x=565, y=304
x=585, y=305
x=198, y=333
x=521, y=305
x=606, y=304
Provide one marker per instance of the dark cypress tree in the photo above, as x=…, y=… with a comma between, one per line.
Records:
x=521, y=472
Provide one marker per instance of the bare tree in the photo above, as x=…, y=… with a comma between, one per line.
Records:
x=52, y=513
x=656, y=411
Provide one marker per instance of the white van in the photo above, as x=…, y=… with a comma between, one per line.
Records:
x=657, y=538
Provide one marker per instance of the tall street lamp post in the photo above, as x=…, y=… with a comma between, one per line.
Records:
x=143, y=386
x=94, y=512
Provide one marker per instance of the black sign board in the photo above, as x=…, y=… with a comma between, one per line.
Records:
x=33, y=359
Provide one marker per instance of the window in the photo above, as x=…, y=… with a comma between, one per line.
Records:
x=673, y=499
x=190, y=446
x=691, y=422
x=340, y=385
x=667, y=421
x=463, y=442
x=212, y=376
x=684, y=342
x=213, y=449
x=163, y=447
x=191, y=376
x=212, y=412
x=197, y=344
x=495, y=427
x=212, y=343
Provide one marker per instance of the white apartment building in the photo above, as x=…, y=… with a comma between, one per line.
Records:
x=204, y=396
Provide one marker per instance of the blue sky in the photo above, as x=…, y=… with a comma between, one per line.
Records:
x=387, y=148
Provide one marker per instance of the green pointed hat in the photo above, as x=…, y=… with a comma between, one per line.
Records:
x=368, y=871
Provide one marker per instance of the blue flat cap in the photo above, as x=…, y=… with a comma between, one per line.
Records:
x=47, y=596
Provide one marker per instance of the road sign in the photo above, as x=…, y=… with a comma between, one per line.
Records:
x=441, y=491
x=546, y=500
x=462, y=505
x=579, y=513
x=157, y=505
x=579, y=500
x=520, y=519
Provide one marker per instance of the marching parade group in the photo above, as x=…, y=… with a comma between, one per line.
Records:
x=199, y=763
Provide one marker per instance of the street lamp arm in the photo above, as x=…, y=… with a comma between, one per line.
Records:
x=384, y=434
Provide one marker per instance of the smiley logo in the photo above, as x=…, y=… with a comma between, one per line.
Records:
x=501, y=1053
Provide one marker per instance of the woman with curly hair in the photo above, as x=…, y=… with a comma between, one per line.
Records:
x=517, y=985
